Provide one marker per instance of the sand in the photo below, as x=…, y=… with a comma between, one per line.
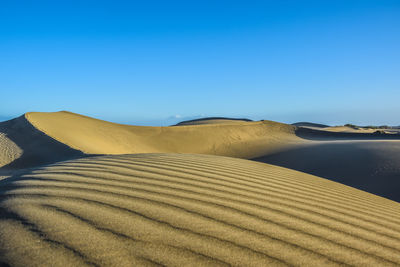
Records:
x=191, y=210
x=369, y=165
x=24, y=146
x=77, y=191
x=346, y=129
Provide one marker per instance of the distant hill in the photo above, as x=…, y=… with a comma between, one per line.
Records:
x=310, y=124
x=211, y=120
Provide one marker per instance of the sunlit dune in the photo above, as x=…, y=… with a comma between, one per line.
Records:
x=346, y=129
x=93, y=136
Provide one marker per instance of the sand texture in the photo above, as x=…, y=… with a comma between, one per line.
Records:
x=190, y=210
x=23, y=146
x=9, y=151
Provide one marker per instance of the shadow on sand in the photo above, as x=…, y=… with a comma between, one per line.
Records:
x=38, y=148
x=368, y=162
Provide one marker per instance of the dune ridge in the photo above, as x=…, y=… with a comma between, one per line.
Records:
x=191, y=210
x=93, y=136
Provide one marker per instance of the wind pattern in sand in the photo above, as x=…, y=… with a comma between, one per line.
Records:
x=191, y=210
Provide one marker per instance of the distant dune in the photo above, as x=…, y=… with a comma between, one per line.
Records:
x=211, y=120
x=190, y=210
x=310, y=124
x=348, y=129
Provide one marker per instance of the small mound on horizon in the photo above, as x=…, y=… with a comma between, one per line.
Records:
x=346, y=129
x=211, y=120
x=190, y=210
x=310, y=124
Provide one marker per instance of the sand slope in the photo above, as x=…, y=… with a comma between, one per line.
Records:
x=23, y=146
x=9, y=151
x=190, y=210
x=92, y=136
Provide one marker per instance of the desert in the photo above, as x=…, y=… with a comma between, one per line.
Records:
x=199, y=133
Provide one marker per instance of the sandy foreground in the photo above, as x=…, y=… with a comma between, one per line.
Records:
x=76, y=191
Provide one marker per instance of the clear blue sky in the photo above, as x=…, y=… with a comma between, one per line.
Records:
x=144, y=61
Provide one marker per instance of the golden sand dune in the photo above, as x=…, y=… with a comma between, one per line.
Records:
x=93, y=136
x=190, y=210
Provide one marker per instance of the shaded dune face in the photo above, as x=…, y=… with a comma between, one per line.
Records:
x=24, y=146
x=193, y=210
x=9, y=151
x=372, y=166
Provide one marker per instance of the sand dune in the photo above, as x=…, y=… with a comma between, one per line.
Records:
x=193, y=210
x=346, y=129
x=92, y=136
x=42, y=138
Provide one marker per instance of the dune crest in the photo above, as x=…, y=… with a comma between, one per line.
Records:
x=176, y=209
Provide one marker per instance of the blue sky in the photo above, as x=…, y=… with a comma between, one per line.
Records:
x=145, y=62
